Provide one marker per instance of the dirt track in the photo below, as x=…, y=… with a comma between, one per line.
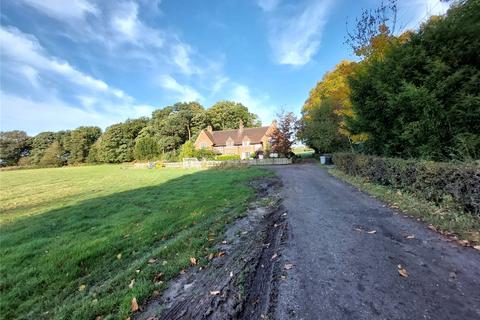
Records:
x=343, y=272
x=323, y=250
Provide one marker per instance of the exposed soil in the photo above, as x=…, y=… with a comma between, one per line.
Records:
x=238, y=284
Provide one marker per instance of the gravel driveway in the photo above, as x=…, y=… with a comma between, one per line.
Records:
x=341, y=271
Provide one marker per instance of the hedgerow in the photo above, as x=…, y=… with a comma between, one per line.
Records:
x=434, y=181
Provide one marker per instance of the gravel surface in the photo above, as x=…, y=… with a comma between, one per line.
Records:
x=341, y=271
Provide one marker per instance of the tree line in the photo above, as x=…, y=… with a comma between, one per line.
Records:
x=412, y=95
x=160, y=136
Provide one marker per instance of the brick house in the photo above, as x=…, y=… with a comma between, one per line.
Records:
x=241, y=141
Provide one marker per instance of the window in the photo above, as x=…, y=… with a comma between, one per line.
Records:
x=203, y=145
x=246, y=143
x=229, y=143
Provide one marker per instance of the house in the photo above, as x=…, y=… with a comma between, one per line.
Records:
x=241, y=141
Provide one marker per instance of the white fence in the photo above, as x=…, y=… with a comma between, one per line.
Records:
x=230, y=163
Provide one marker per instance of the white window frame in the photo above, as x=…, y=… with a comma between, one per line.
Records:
x=246, y=143
x=203, y=145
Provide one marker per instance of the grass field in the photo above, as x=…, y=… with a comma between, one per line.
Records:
x=74, y=239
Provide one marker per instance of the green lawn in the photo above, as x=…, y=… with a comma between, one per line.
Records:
x=73, y=239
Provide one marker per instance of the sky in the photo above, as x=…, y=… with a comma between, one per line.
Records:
x=65, y=64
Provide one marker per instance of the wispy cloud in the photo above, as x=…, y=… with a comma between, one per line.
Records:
x=64, y=10
x=295, y=37
x=182, y=92
x=413, y=12
x=257, y=104
x=94, y=102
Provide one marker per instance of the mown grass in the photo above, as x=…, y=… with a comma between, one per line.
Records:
x=73, y=239
x=447, y=218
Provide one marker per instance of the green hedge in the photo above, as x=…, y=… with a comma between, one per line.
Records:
x=434, y=181
x=225, y=157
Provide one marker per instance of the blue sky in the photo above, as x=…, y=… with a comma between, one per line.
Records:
x=85, y=62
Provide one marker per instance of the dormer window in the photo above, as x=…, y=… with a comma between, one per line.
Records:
x=245, y=143
x=203, y=145
x=229, y=142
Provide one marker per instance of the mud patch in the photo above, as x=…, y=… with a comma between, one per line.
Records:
x=238, y=283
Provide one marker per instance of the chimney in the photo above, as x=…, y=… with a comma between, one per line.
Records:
x=209, y=129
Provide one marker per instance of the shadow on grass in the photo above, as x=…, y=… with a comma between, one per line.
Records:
x=78, y=261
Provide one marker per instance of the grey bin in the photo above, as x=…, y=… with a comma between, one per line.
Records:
x=326, y=159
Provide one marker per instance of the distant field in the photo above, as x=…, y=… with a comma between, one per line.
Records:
x=73, y=239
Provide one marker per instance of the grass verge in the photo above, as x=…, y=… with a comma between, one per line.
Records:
x=447, y=218
x=81, y=243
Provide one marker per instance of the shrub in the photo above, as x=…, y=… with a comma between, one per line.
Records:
x=226, y=157
x=146, y=148
x=434, y=181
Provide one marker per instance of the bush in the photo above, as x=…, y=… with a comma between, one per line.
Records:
x=434, y=181
x=146, y=148
x=226, y=157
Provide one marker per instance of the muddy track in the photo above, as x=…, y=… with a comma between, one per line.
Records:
x=238, y=284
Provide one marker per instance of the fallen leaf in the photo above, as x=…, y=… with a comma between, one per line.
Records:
x=119, y=256
x=152, y=260
x=132, y=283
x=82, y=287
x=137, y=271
x=214, y=293
x=288, y=266
x=164, y=262
x=134, y=306
x=372, y=231
x=410, y=237
x=193, y=261
x=274, y=256
x=431, y=227
x=210, y=256
x=402, y=271
x=221, y=254
x=182, y=271
x=158, y=277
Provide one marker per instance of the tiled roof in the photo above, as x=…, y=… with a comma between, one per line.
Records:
x=220, y=138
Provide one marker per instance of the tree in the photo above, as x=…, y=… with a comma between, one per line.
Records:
x=373, y=30
x=52, y=156
x=79, y=143
x=146, y=148
x=39, y=144
x=13, y=145
x=118, y=142
x=227, y=115
x=321, y=130
x=283, y=135
x=422, y=99
x=173, y=125
x=335, y=89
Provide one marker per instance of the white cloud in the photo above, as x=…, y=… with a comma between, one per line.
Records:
x=419, y=11
x=62, y=9
x=127, y=27
x=268, y=5
x=184, y=92
x=258, y=105
x=219, y=84
x=295, y=37
x=25, y=50
x=30, y=73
